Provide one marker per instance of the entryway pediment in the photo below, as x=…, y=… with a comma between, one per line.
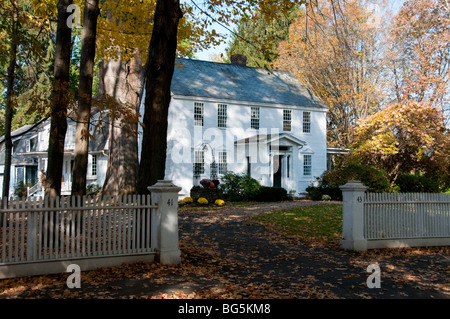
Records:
x=284, y=139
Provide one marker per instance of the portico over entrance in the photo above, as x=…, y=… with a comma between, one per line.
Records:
x=273, y=159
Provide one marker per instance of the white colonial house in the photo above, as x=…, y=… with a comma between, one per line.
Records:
x=245, y=120
x=29, y=158
x=225, y=116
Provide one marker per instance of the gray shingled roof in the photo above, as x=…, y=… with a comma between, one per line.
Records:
x=235, y=82
x=23, y=133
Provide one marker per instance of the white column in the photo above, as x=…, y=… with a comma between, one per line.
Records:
x=164, y=194
x=353, y=194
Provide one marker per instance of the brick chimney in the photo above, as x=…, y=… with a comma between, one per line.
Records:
x=238, y=59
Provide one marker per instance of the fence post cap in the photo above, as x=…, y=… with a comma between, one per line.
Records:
x=353, y=185
x=164, y=186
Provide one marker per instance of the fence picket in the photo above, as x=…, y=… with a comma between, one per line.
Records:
x=3, y=232
x=10, y=231
x=22, y=234
x=40, y=246
x=114, y=228
x=138, y=223
x=78, y=226
x=16, y=232
x=149, y=216
x=109, y=223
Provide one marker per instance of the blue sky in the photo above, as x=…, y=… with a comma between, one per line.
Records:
x=394, y=5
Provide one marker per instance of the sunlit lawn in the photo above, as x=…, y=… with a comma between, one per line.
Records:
x=318, y=223
x=321, y=223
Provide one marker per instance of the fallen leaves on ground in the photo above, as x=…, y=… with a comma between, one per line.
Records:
x=226, y=255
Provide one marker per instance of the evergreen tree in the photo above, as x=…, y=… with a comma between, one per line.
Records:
x=258, y=40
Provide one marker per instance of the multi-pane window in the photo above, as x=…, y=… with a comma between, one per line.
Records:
x=287, y=117
x=255, y=118
x=307, y=165
x=94, y=165
x=198, y=114
x=222, y=115
x=199, y=162
x=306, y=122
x=222, y=162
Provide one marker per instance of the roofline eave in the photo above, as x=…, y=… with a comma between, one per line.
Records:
x=248, y=103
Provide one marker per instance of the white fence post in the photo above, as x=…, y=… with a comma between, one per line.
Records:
x=164, y=194
x=353, y=194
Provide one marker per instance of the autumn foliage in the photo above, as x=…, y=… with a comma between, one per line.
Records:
x=332, y=50
x=418, y=54
x=404, y=138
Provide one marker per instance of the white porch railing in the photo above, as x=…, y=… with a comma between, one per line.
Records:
x=82, y=229
x=393, y=220
x=38, y=187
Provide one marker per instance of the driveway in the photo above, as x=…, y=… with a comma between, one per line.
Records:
x=258, y=263
x=226, y=255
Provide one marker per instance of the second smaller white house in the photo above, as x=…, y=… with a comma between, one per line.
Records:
x=228, y=117
x=29, y=158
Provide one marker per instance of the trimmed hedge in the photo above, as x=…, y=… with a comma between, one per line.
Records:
x=417, y=183
x=237, y=187
x=377, y=181
x=272, y=194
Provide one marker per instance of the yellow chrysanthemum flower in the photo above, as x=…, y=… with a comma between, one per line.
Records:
x=187, y=200
x=219, y=202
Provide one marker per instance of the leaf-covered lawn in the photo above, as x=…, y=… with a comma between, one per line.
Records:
x=310, y=223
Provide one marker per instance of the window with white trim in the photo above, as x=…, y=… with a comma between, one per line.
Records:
x=222, y=115
x=198, y=114
x=306, y=122
x=199, y=162
x=307, y=165
x=254, y=120
x=94, y=165
x=222, y=162
x=287, y=117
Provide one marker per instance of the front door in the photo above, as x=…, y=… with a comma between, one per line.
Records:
x=277, y=170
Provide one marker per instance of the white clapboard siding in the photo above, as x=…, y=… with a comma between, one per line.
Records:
x=406, y=215
x=75, y=227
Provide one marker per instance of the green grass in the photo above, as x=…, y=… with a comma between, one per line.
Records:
x=322, y=223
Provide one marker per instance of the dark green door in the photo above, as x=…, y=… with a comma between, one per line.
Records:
x=277, y=169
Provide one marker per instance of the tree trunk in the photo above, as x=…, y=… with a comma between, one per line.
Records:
x=123, y=82
x=88, y=38
x=9, y=105
x=59, y=102
x=158, y=77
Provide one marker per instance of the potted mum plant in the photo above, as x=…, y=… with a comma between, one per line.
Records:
x=206, y=183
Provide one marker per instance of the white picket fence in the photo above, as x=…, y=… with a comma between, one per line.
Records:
x=408, y=215
x=42, y=236
x=75, y=227
x=388, y=220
